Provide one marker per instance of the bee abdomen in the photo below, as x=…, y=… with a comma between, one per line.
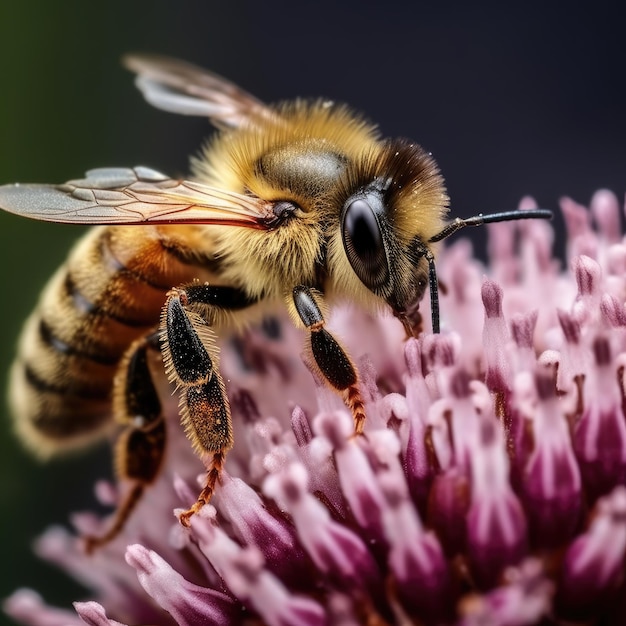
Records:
x=108, y=294
x=49, y=421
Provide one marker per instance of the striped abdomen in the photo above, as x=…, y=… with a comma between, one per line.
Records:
x=109, y=293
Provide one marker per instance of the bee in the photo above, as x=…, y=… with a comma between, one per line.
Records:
x=302, y=204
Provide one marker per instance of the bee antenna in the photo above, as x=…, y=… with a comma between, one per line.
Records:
x=457, y=224
x=434, y=290
x=480, y=219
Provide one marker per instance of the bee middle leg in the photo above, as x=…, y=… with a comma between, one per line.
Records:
x=140, y=447
x=331, y=359
x=191, y=362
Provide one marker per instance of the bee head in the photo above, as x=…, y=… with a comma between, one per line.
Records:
x=390, y=223
x=386, y=222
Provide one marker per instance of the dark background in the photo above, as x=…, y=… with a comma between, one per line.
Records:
x=512, y=99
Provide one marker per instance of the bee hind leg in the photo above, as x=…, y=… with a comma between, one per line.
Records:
x=332, y=361
x=140, y=447
x=191, y=362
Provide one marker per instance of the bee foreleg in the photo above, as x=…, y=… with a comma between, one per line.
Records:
x=191, y=362
x=331, y=359
x=140, y=447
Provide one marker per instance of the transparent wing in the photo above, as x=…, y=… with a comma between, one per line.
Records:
x=180, y=87
x=134, y=196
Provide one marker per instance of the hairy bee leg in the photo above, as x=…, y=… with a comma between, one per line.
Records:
x=191, y=362
x=140, y=447
x=331, y=359
x=206, y=410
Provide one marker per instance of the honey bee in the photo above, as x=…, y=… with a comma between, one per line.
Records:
x=302, y=204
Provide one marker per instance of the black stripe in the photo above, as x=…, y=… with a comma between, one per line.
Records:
x=63, y=390
x=48, y=337
x=83, y=305
x=72, y=422
x=193, y=258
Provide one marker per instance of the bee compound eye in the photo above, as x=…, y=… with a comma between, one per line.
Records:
x=364, y=243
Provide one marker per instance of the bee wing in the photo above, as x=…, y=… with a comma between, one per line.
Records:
x=180, y=87
x=134, y=196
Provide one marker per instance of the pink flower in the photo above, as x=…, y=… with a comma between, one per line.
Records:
x=489, y=488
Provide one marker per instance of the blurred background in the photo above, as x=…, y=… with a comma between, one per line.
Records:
x=512, y=99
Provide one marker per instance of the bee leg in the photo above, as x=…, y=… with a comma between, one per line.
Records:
x=191, y=362
x=333, y=363
x=139, y=449
x=206, y=411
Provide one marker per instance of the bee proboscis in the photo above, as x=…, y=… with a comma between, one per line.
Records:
x=302, y=203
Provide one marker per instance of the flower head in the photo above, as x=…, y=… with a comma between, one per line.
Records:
x=488, y=489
